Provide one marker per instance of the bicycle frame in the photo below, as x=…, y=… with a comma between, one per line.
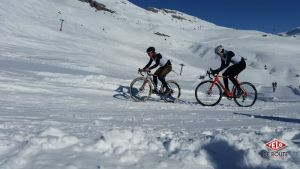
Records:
x=147, y=78
x=217, y=81
x=229, y=93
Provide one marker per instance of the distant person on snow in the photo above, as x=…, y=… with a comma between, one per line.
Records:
x=238, y=66
x=165, y=67
x=275, y=86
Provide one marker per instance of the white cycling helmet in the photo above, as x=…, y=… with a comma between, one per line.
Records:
x=219, y=49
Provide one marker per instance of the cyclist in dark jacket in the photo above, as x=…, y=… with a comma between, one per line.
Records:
x=238, y=66
x=165, y=67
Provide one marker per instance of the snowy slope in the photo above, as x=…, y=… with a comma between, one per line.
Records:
x=64, y=94
x=100, y=41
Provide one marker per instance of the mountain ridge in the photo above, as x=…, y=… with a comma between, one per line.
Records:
x=293, y=32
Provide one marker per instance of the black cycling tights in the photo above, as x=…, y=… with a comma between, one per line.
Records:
x=231, y=72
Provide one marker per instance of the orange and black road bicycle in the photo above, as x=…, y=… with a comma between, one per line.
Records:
x=210, y=92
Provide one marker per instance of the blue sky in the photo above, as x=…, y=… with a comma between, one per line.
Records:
x=271, y=16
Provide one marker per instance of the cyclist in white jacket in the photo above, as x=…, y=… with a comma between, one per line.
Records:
x=238, y=65
x=165, y=67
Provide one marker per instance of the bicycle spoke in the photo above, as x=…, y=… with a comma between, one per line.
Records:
x=174, y=95
x=140, y=89
x=248, y=96
x=206, y=95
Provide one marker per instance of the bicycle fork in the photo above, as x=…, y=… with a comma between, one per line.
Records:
x=143, y=86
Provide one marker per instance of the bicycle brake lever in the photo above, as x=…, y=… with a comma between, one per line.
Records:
x=208, y=73
x=140, y=71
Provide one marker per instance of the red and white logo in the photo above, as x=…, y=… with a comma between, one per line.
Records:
x=276, y=145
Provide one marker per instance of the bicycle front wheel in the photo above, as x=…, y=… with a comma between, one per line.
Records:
x=248, y=97
x=207, y=95
x=174, y=95
x=140, y=89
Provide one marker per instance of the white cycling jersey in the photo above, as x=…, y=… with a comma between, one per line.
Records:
x=235, y=59
x=163, y=61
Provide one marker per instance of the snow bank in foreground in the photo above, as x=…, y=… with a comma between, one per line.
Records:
x=118, y=148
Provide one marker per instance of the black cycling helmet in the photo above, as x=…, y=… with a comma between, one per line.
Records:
x=150, y=49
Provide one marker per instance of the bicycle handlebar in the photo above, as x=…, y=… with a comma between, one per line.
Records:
x=209, y=73
x=141, y=71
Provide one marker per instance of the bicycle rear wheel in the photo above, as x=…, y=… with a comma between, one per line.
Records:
x=140, y=89
x=208, y=96
x=174, y=95
x=249, y=96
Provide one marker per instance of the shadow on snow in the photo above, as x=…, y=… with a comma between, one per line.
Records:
x=225, y=156
x=282, y=119
x=122, y=93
